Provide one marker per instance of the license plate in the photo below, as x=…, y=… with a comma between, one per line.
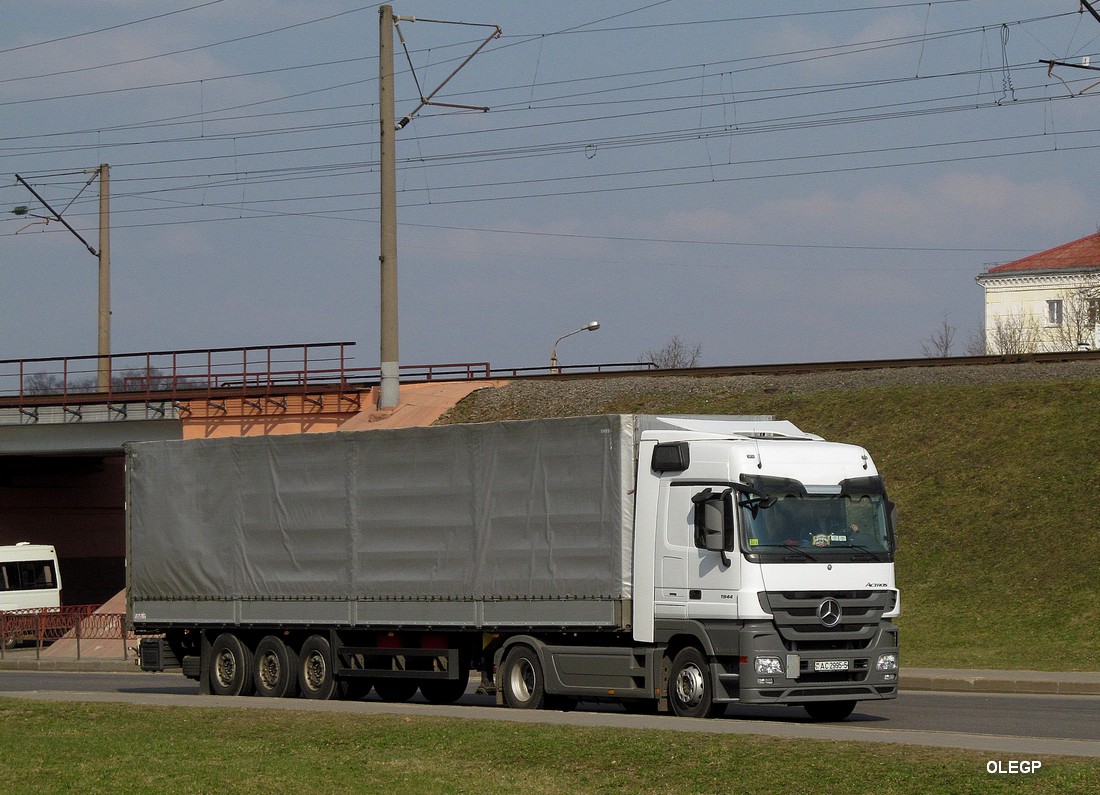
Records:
x=831, y=665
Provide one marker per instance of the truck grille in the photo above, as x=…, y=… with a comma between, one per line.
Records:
x=798, y=618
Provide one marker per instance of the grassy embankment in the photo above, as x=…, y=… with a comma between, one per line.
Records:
x=996, y=486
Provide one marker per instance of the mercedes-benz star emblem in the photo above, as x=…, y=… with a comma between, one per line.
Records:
x=829, y=612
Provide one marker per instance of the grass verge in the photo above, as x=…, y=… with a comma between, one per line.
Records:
x=112, y=748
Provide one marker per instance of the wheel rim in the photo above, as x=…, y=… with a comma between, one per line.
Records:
x=315, y=671
x=690, y=685
x=225, y=668
x=522, y=680
x=270, y=671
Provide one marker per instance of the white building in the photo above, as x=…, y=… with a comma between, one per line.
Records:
x=1048, y=301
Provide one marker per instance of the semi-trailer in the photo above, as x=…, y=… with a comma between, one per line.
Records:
x=669, y=563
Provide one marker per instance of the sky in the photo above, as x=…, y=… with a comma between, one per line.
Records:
x=779, y=182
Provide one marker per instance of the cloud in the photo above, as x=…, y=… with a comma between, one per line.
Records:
x=844, y=51
x=957, y=209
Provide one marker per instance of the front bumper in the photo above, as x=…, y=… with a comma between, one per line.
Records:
x=817, y=673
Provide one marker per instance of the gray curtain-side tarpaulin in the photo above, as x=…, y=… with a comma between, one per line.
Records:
x=529, y=509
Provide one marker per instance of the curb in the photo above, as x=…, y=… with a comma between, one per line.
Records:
x=1013, y=682
x=71, y=666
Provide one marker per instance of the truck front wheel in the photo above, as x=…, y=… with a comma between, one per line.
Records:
x=690, y=692
x=230, y=666
x=523, y=681
x=316, y=678
x=274, y=669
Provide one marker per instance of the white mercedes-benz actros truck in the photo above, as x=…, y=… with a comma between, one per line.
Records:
x=669, y=563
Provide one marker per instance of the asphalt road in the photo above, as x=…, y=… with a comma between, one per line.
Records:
x=1012, y=726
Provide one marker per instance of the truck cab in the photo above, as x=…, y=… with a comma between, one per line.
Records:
x=771, y=550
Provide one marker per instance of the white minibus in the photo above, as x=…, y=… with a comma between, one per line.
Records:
x=29, y=577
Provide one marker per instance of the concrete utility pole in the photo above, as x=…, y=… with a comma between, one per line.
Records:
x=389, y=386
x=103, y=380
x=389, y=392
x=104, y=347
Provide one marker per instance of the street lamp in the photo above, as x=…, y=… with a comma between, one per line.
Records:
x=595, y=324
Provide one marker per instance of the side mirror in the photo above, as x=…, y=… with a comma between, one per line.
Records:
x=714, y=522
x=713, y=525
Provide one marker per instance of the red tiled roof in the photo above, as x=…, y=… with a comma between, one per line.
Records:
x=1083, y=253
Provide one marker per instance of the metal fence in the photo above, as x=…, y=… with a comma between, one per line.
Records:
x=76, y=625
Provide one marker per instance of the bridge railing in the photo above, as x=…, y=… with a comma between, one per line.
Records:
x=166, y=375
x=569, y=369
x=259, y=373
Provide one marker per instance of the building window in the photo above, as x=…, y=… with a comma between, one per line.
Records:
x=1054, y=312
x=1094, y=311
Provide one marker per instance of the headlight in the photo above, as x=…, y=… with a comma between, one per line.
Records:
x=769, y=665
x=887, y=662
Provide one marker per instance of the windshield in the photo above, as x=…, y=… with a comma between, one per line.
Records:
x=816, y=527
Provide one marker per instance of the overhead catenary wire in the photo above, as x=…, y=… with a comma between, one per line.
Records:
x=471, y=156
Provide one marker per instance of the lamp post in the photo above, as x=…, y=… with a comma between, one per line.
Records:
x=593, y=326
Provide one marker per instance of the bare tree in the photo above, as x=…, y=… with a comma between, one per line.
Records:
x=676, y=355
x=1080, y=308
x=941, y=341
x=54, y=384
x=42, y=384
x=976, y=345
x=1014, y=333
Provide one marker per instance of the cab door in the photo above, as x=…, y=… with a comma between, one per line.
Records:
x=670, y=590
x=711, y=578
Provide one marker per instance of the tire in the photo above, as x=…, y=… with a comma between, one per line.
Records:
x=523, y=682
x=230, y=666
x=561, y=703
x=275, y=669
x=829, y=710
x=690, y=691
x=444, y=691
x=316, y=678
x=395, y=690
x=354, y=688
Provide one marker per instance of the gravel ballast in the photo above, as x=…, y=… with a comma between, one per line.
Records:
x=556, y=398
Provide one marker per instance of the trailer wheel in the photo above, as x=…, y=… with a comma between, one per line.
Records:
x=230, y=666
x=690, y=693
x=353, y=689
x=315, y=675
x=523, y=681
x=829, y=710
x=444, y=691
x=275, y=669
x=395, y=690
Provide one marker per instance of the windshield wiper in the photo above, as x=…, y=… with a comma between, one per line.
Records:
x=879, y=556
x=794, y=547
